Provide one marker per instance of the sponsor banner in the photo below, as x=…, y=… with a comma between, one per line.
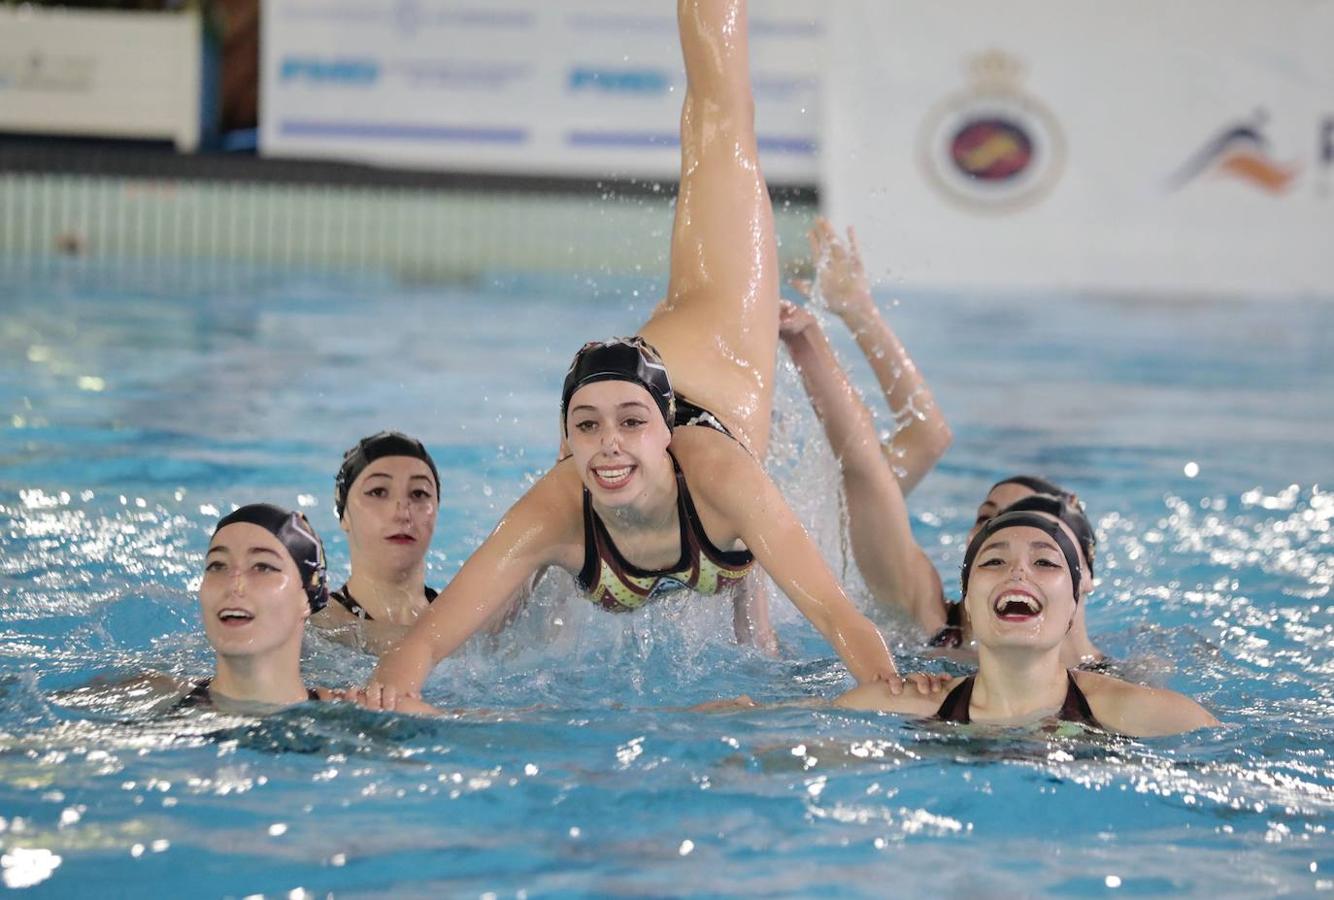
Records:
x=582, y=88
x=104, y=74
x=1129, y=146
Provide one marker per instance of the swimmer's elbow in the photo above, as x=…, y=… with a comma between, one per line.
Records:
x=942, y=438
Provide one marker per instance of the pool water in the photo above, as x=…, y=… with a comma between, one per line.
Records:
x=139, y=403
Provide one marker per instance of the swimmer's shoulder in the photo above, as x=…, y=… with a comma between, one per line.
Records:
x=147, y=693
x=547, y=522
x=333, y=616
x=709, y=444
x=715, y=465
x=877, y=697
x=1139, y=710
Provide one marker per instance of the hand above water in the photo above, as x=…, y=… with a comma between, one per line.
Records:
x=839, y=273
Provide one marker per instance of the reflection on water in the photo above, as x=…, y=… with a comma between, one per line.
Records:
x=139, y=409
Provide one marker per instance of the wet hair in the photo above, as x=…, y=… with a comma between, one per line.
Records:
x=1038, y=485
x=1069, y=513
x=367, y=451
x=630, y=359
x=1049, y=526
x=293, y=530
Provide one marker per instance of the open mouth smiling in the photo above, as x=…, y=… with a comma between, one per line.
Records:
x=235, y=616
x=613, y=478
x=1017, y=606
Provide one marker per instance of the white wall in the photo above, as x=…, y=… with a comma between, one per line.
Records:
x=103, y=74
x=1120, y=102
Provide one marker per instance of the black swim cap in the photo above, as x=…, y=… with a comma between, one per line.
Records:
x=367, y=451
x=1042, y=523
x=1068, y=512
x=630, y=359
x=293, y=531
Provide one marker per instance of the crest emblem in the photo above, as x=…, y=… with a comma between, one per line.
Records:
x=993, y=147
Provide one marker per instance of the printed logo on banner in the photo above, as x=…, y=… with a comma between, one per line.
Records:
x=619, y=81
x=1240, y=151
x=993, y=147
x=315, y=70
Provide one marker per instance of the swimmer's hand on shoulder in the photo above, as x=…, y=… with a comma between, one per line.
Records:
x=925, y=683
x=880, y=696
x=384, y=697
x=393, y=702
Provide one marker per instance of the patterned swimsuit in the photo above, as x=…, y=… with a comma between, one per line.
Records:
x=617, y=585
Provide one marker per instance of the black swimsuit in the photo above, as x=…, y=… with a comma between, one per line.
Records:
x=200, y=697
x=350, y=603
x=1075, y=708
x=688, y=413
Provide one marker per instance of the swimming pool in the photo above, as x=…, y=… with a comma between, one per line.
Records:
x=139, y=402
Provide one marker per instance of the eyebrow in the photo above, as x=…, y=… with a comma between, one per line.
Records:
x=584, y=406
x=1039, y=544
x=223, y=548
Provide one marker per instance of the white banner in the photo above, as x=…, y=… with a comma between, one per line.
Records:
x=1135, y=145
x=585, y=88
x=113, y=74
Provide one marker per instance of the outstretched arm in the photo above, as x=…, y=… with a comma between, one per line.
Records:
x=921, y=434
x=527, y=538
x=895, y=568
x=877, y=698
x=735, y=489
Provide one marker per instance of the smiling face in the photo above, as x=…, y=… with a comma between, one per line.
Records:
x=390, y=514
x=251, y=597
x=1020, y=593
x=618, y=439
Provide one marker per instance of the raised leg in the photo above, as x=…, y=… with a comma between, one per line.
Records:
x=717, y=329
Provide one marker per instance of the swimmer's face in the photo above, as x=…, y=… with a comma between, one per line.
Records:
x=251, y=596
x=1020, y=591
x=618, y=439
x=1001, y=496
x=390, y=514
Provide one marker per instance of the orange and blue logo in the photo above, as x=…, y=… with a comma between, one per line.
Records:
x=1241, y=152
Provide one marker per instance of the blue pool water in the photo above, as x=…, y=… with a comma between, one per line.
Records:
x=134, y=405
